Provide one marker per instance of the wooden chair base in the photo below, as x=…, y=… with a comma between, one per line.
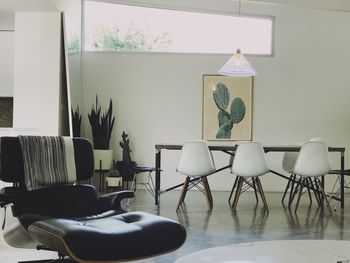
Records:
x=202, y=184
x=242, y=184
x=312, y=184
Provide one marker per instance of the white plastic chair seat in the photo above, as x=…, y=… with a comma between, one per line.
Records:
x=313, y=160
x=195, y=160
x=249, y=160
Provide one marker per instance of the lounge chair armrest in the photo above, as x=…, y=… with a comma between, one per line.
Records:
x=114, y=199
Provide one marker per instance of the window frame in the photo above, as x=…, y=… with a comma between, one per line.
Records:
x=175, y=8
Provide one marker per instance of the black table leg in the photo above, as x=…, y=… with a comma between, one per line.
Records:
x=157, y=190
x=342, y=180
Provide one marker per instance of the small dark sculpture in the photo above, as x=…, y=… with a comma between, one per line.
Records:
x=125, y=167
x=125, y=146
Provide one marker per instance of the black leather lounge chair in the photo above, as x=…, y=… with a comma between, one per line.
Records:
x=72, y=220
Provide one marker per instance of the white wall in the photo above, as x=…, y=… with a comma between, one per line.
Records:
x=6, y=53
x=37, y=71
x=299, y=93
x=7, y=20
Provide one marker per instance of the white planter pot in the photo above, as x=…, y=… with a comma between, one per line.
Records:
x=103, y=159
x=114, y=181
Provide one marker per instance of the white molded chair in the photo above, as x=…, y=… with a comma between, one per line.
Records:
x=248, y=164
x=196, y=162
x=312, y=163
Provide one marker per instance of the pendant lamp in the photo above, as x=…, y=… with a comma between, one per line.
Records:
x=237, y=65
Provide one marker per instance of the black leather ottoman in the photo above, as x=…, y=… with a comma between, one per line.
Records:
x=97, y=238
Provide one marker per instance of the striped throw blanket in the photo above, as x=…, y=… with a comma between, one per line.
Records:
x=48, y=161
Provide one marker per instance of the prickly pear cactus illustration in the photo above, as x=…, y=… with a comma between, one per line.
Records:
x=226, y=120
x=221, y=96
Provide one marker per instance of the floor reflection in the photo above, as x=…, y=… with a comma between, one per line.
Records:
x=184, y=219
x=254, y=220
x=249, y=223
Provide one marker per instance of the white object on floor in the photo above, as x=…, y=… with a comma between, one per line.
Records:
x=278, y=251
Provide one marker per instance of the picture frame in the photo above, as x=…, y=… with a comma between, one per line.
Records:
x=6, y=112
x=227, y=108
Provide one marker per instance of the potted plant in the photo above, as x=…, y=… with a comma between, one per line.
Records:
x=114, y=180
x=101, y=127
x=76, y=122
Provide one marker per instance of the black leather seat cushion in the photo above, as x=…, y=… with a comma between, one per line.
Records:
x=109, y=236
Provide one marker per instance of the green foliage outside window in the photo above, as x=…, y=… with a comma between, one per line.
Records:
x=135, y=38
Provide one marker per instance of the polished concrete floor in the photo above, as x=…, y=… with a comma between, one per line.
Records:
x=222, y=226
x=249, y=222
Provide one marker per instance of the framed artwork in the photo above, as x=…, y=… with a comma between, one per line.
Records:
x=227, y=108
x=6, y=112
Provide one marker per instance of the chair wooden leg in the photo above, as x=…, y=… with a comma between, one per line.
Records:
x=233, y=188
x=300, y=193
x=238, y=192
x=295, y=191
x=315, y=190
x=318, y=193
x=256, y=189
x=293, y=187
x=309, y=184
x=183, y=192
x=287, y=187
x=324, y=196
x=261, y=191
x=207, y=192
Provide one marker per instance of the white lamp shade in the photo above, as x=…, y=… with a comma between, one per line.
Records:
x=237, y=66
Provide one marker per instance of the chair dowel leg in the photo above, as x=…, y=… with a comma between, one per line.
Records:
x=238, y=193
x=293, y=188
x=325, y=198
x=309, y=184
x=261, y=191
x=183, y=192
x=208, y=192
x=295, y=191
x=256, y=189
x=300, y=193
x=287, y=187
x=318, y=193
x=233, y=188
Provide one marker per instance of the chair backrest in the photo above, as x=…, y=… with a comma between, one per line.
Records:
x=313, y=159
x=11, y=160
x=249, y=160
x=195, y=159
x=289, y=158
x=55, y=201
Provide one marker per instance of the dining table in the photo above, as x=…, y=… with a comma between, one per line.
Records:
x=230, y=150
